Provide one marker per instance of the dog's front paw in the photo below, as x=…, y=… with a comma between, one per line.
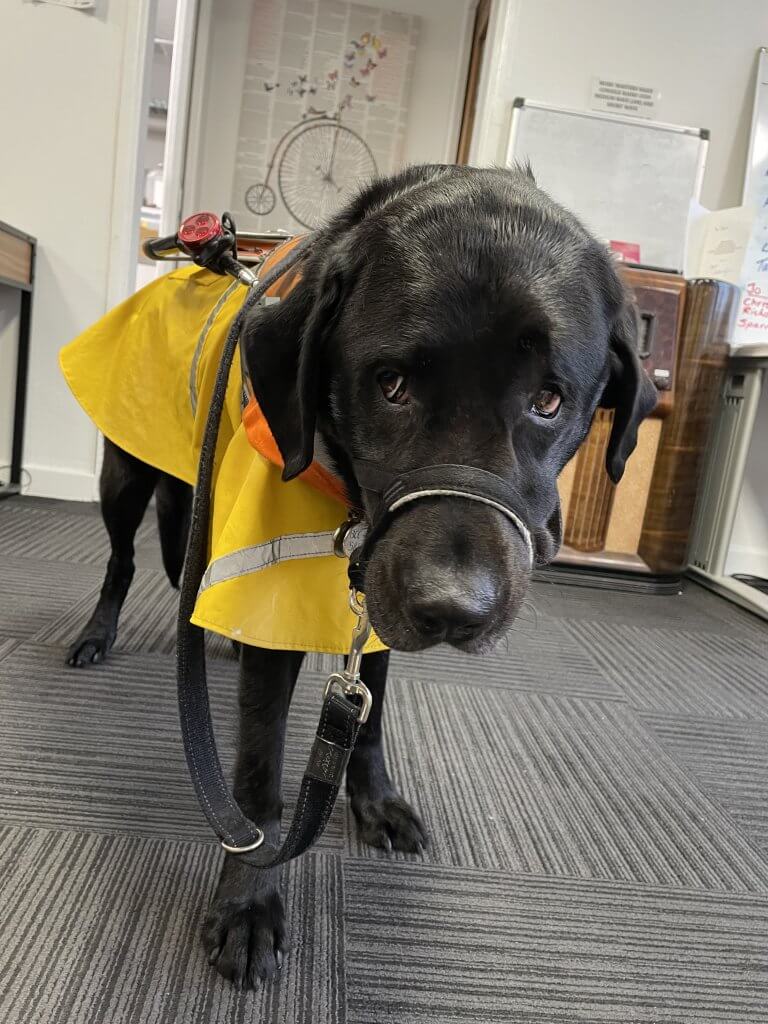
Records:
x=246, y=941
x=390, y=823
x=89, y=649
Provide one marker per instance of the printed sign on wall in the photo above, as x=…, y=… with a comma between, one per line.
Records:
x=324, y=108
x=623, y=98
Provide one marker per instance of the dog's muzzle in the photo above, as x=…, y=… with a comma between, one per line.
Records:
x=392, y=492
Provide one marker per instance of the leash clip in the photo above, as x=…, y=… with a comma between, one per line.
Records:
x=348, y=680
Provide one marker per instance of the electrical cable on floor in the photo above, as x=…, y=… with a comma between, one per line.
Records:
x=757, y=582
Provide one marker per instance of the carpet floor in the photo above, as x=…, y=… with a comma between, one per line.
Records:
x=596, y=794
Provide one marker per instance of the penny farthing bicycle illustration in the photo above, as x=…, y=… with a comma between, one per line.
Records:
x=320, y=162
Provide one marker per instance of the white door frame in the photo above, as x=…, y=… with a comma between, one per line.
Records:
x=129, y=148
x=135, y=81
x=494, y=108
x=179, y=104
x=459, y=89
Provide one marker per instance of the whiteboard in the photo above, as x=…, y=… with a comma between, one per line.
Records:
x=756, y=176
x=629, y=181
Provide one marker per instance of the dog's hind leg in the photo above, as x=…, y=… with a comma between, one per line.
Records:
x=173, y=499
x=383, y=816
x=244, y=934
x=126, y=485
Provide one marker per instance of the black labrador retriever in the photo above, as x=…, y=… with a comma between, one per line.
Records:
x=447, y=315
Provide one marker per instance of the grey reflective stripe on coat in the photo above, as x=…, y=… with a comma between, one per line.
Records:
x=201, y=342
x=280, y=549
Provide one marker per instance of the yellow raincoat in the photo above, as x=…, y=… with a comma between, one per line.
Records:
x=144, y=374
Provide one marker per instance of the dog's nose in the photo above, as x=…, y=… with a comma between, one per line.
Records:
x=450, y=608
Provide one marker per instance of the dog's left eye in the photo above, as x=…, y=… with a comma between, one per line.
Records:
x=547, y=403
x=393, y=387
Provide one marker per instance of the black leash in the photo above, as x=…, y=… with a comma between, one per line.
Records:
x=344, y=705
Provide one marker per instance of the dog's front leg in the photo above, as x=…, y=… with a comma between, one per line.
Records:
x=244, y=933
x=383, y=817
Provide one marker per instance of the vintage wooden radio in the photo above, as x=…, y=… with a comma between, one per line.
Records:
x=642, y=525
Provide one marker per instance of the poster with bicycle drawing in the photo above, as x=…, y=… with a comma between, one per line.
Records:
x=324, y=108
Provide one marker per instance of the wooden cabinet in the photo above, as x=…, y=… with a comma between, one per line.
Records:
x=17, y=270
x=643, y=524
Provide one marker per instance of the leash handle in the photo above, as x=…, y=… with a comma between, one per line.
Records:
x=341, y=713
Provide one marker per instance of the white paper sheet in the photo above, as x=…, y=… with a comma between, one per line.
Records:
x=732, y=245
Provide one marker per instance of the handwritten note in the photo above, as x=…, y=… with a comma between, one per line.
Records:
x=752, y=317
x=732, y=245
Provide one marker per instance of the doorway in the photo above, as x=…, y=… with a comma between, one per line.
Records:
x=291, y=111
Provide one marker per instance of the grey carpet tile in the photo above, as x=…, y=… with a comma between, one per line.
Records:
x=645, y=828
x=53, y=535
x=106, y=928
x=96, y=748
x=729, y=761
x=731, y=619
x=680, y=672
x=542, y=659
x=323, y=664
x=100, y=748
x=33, y=593
x=23, y=503
x=428, y=944
x=147, y=554
x=147, y=620
x=539, y=655
x=7, y=645
x=551, y=785
x=695, y=609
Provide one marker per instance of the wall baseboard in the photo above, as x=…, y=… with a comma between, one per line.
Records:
x=50, y=482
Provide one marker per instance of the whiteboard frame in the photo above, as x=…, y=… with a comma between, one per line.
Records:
x=761, y=78
x=521, y=104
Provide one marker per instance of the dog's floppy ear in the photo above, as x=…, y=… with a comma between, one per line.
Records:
x=283, y=346
x=629, y=391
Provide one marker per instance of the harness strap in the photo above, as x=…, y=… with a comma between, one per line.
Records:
x=341, y=714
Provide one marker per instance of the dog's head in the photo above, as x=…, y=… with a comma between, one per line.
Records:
x=452, y=315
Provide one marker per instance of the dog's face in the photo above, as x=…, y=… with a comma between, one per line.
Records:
x=452, y=316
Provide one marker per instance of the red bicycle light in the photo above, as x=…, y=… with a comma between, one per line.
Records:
x=199, y=229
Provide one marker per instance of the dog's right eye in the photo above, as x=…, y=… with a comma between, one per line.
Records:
x=393, y=387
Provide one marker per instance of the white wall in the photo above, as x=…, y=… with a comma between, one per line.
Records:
x=439, y=79
x=702, y=56
x=435, y=108
x=62, y=79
